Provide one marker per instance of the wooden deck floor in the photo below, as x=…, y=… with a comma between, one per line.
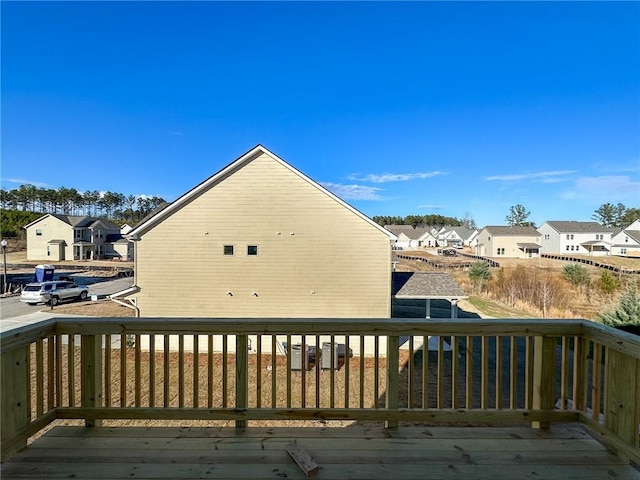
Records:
x=565, y=452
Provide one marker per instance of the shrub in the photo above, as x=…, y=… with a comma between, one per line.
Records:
x=626, y=313
x=576, y=274
x=479, y=273
x=608, y=283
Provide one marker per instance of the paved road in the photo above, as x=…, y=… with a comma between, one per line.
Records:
x=14, y=313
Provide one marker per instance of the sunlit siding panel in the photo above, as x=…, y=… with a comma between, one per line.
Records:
x=316, y=258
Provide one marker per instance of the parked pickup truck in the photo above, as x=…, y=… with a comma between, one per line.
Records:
x=52, y=292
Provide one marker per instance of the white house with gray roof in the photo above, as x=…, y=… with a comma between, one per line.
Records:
x=410, y=238
x=627, y=242
x=572, y=237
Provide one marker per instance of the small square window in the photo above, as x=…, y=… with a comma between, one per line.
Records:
x=39, y=232
x=228, y=249
x=252, y=250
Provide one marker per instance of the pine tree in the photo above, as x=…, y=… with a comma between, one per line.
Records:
x=627, y=312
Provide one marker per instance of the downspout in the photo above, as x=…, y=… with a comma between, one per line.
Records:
x=130, y=304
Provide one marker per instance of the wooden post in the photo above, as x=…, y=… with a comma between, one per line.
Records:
x=622, y=394
x=91, y=377
x=242, y=375
x=14, y=413
x=544, y=376
x=393, y=376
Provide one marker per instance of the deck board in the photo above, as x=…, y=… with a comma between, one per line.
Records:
x=564, y=452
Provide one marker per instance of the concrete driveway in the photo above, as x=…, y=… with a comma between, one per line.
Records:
x=15, y=314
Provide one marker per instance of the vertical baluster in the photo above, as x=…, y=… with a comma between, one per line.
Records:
x=138, y=371
x=274, y=347
x=123, y=370
x=528, y=375
x=225, y=359
x=564, y=374
x=410, y=372
x=454, y=372
x=376, y=369
x=59, y=372
x=289, y=371
x=499, y=374
x=303, y=372
x=513, y=373
x=242, y=376
x=318, y=367
x=362, y=338
x=107, y=370
x=440, y=377
x=332, y=370
x=259, y=371
x=71, y=374
x=469, y=374
x=484, y=378
x=50, y=373
x=596, y=381
x=39, y=377
x=152, y=370
x=347, y=363
x=425, y=371
x=196, y=371
x=166, y=371
x=210, y=381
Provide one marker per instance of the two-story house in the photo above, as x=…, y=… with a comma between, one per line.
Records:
x=506, y=241
x=456, y=236
x=572, y=237
x=54, y=237
x=627, y=241
x=261, y=239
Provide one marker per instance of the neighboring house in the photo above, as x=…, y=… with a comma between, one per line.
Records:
x=403, y=233
x=627, y=242
x=571, y=237
x=55, y=237
x=261, y=239
x=506, y=241
x=455, y=236
x=410, y=238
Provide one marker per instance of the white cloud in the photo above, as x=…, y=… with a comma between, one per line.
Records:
x=608, y=188
x=353, y=192
x=431, y=207
x=393, y=177
x=546, y=177
x=22, y=181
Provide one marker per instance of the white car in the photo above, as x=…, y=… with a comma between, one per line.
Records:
x=52, y=292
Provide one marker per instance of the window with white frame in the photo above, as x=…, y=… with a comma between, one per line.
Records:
x=228, y=250
x=500, y=251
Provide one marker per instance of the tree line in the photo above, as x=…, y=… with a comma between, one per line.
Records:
x=69, y=201
x=421, y=221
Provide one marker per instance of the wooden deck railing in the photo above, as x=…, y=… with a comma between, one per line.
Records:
x=484, y=371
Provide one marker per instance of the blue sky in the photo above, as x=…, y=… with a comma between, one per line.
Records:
x=451, y=108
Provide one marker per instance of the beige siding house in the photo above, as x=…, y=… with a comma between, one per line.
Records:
x=505, y=241
x=260, y=239
x=55, y=238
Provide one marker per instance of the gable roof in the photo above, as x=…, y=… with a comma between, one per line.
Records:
x=77, y=221
x=578, y=227
x=157, y=217
x=507, y=231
